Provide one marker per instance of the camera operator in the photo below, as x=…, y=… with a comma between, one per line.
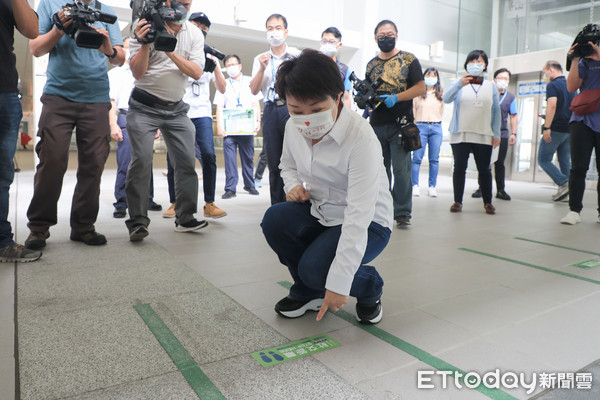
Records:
x=584, y=129
x=402, y=81
x=13, y=13
x=197, y=95
x=156, y=103
x=76, y=95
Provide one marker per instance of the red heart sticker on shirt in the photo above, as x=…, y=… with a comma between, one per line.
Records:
x=307, y=123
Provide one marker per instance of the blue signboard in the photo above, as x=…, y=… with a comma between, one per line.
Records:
x=531, y=88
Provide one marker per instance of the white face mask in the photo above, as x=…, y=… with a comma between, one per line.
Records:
x=276, y=38
x=233, y=71
x=184, y=20
x=502, y=84
x=314, y=126
x=328, y=49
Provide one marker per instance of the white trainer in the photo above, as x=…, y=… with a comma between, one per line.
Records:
x=416, y=192
x=432, y=191
x=571, y=218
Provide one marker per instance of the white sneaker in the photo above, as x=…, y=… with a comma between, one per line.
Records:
x=416, y=192
x=571, y=218
x=432, y=191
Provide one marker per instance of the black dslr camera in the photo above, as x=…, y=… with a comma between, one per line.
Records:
x=366, y=92
x=82, y=16
x=589, y=33
x=210, y=65
x=156, y=13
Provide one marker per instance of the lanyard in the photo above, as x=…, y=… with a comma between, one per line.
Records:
x=476, y=91
x=272, y=70
x=502, y=99
x=239, y=92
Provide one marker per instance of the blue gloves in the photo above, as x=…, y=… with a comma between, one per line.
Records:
x=390, y=100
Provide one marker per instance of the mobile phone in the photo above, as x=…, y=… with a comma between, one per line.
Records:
x=478, y=80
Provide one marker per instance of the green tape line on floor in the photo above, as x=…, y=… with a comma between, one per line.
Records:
x=581, y=278
x=414, y=351
x=558, y=245
x=188, y=367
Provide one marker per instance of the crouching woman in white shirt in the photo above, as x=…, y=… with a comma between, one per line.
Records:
x=338, y=212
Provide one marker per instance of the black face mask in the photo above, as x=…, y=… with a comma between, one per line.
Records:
x=386, y=44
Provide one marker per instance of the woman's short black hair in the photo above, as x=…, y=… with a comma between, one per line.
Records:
x=474, y=55
x=310, y=76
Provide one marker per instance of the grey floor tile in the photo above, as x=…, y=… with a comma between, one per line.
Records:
x=303, y=378
x=7, y=378
x=170, y=386
x=86, y=350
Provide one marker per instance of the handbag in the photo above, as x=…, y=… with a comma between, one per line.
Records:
x=409, y=137
x=586, y=102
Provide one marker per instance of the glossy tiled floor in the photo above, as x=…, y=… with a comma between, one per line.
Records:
x=463, y=291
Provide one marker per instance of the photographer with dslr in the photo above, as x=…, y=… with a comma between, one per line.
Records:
x=156, y=103
x=197, y=95
x=584, y=126
x=76, y=95
x=402, y=81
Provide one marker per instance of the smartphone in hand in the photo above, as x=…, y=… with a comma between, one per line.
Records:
x=477, y=80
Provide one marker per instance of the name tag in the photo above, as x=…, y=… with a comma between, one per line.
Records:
x=477, y=103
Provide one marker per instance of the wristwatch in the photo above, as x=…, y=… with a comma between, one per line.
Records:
x=545, y=128
x=113, y=55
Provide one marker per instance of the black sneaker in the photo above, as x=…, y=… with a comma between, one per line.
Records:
x=17, y=253
x=251, y=190
x=91, y=238
x=290, y=308
x=476, y=194
x=228, y=195
x=36, y=240
x=369, y=313
x=190, y=226
x=152, y=206
x=138, y=233
x=502, y=195
x=403, y=220
x=120, y=212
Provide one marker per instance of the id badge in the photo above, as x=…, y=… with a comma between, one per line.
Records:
x=271, y=94
x=239, y=105
x=477, y=103
x=196, y=88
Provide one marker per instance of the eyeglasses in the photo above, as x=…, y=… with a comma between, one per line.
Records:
x=389, y=34
x=325, y=41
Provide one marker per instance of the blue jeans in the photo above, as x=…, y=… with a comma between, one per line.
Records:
x=123, y=159
x=396, y=159
x=308, y=248
x=10, y=118
x=431, y=135
x=206, y=146
x=561, y=146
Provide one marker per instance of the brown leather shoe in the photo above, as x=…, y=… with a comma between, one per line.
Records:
x=489, y=208
x=36, y=240
x=456, y=207
x=212, y=211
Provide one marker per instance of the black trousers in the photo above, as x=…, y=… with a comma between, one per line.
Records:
x=499, y=168
x=482, y=154
x=274, y=120
x=583, y=141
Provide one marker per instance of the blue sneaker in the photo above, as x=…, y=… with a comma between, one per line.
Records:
x=258, y=183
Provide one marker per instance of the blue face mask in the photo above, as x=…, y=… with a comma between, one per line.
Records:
x=430, y=80
x=475, y=69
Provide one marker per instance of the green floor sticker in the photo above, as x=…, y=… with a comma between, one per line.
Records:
x=291, y=351
x=587, y=264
